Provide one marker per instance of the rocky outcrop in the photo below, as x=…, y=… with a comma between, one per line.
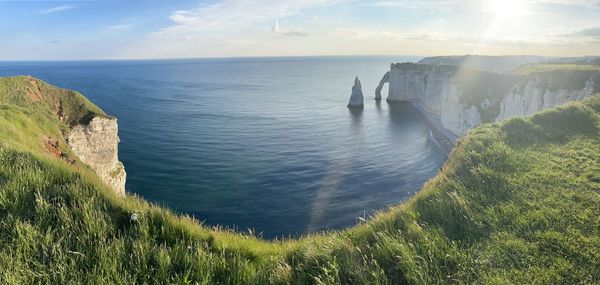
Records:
x=384, y=80
x=96, y=144
x=356, y=98
x=462, y=99
x=433, y=89
x=454, y=115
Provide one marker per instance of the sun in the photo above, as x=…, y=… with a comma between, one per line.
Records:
x=508, y=8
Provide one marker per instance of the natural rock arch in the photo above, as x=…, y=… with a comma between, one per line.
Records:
x=384, y=80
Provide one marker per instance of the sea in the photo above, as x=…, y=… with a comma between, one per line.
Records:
x=263, y=145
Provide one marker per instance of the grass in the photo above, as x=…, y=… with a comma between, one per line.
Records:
x=517, y=202
x=547, y=67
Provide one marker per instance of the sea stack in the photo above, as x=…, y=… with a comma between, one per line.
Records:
x=356, y=99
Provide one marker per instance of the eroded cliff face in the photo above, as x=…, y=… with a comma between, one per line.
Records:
x=461, y=98
x=433, y=89
x=454, y=115
x=96, y=144
x=538, y=95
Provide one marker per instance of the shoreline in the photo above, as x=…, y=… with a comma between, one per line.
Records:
x=445, y=139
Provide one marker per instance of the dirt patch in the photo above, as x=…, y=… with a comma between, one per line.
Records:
x=34, y=92
x=53, y=148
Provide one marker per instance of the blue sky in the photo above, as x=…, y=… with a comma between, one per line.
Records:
x=111, y=29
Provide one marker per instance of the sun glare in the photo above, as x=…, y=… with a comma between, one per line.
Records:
x=508, y=8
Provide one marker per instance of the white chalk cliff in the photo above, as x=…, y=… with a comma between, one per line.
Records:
x=356, y=98
x=384, y=80
x=537, y=96
x=455, y=116
x=96, y=144
x=432, y=88
x=436, y=90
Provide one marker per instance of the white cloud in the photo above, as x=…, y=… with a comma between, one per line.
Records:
x=468, y=5
x=234, y=15
x=279, y=31
x=120, y=27
x=557, y=39
x=56, y=9
x=246, y=28
x=294, y=33
x=589, y=34
x=429, y=5
x=585, y=3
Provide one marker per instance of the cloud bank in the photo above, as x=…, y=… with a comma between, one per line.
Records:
x=234, y=15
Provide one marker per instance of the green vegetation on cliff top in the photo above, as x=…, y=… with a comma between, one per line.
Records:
x=517, y=202
x=546, y=67
x=477, y=86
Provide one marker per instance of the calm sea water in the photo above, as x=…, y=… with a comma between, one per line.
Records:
x=261, y=143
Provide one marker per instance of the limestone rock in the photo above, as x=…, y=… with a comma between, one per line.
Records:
x=384, y=80
x=409, y=81
x=456, y=117
x=440, y=90
x=406, y=83
x=537, y=96
x=451, y=112
x=356, y=98
x=96, y=144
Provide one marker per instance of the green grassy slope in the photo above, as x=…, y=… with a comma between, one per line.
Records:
x=547, y=67
x=517, y=202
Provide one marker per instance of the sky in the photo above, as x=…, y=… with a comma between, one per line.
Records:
x=140, y=29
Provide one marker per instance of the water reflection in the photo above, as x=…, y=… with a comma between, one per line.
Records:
x=356, y=115
x=339, y=164
x=378, y=106
x=401, y=112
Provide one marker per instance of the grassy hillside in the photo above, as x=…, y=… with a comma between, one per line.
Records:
x=547, y=67
x=517, y=202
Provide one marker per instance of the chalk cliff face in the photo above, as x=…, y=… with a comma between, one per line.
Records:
x=96, y=144
x=461, y=98
x=537, y=95
x=433, y=89
x=454, y=115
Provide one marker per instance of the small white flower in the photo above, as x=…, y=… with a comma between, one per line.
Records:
x=134, y=217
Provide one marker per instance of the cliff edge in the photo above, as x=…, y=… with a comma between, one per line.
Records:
x=74, y=130
x=463, y=98
x=96, y=144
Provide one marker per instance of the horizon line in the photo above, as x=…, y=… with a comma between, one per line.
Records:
x=281, y=56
